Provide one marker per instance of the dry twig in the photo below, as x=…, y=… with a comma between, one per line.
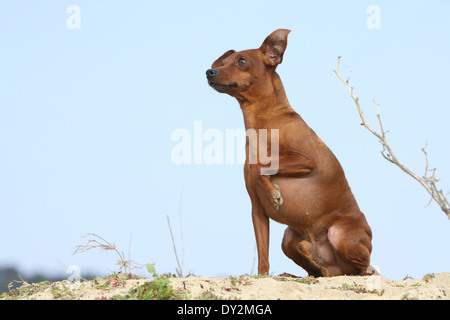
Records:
x=428, y=182
x=178, y=270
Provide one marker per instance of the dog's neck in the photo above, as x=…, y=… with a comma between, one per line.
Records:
x=258, y=111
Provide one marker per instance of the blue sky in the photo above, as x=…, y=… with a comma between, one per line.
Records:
x=86, y=118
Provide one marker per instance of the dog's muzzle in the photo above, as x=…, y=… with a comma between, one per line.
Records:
x=211, y=75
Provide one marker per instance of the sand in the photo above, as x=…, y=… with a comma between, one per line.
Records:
x=430, y=287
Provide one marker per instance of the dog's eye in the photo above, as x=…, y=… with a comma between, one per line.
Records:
x=242, y=62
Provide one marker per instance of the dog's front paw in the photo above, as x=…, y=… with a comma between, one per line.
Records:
x=277, y=198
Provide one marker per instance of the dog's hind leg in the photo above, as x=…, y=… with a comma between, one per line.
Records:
x=302, y=253
x=351, y=240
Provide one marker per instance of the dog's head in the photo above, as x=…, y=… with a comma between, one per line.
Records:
x=245, y=74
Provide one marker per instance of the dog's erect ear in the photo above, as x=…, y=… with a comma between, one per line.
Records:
x=219, y=62
x=274, y=46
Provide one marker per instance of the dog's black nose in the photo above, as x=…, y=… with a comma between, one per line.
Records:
x=211, y=73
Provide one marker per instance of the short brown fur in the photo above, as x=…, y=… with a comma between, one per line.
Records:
x=327, y=234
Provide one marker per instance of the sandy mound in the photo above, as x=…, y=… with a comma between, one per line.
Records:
x=431, y=287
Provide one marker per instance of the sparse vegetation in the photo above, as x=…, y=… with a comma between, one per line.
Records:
x=428, y=277
x=157, y=289
x=97, y=242
x=26, y=290
x=305, y=280
x=357, y=288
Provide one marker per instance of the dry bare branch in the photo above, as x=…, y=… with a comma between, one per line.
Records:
x=428, y=182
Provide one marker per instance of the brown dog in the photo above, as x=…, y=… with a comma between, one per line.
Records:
x=327, y=234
